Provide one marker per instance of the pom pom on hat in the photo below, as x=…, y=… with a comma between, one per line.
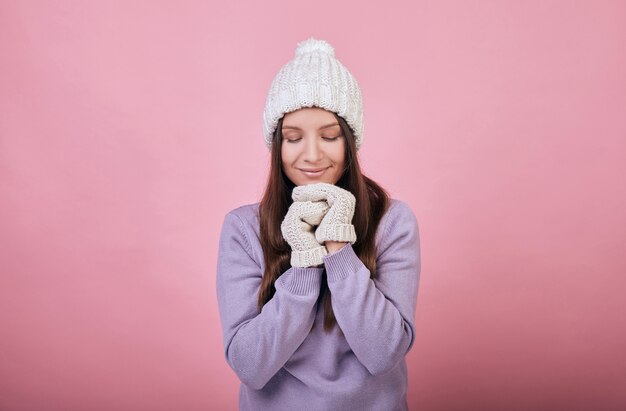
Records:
x=314, y=77
x=311, y=45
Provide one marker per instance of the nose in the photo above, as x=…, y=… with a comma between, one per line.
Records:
x=312, y=150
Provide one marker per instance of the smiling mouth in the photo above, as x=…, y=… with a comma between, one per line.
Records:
x=317, y=173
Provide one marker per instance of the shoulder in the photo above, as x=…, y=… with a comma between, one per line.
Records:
x=397, y=205
x=245, y=220
x=399, y=211
x=399, y=221
x=238, y=226
x=247, y=213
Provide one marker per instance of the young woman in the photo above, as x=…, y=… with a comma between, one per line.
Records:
x=317, y=283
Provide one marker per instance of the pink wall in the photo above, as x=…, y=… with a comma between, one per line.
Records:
x=128, y=130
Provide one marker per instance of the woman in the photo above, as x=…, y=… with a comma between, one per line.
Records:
x=317, y=283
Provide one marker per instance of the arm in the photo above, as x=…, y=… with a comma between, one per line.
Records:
x=377, y=316
x=257, y=345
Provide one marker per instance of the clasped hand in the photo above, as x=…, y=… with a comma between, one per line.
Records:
x=329, y=207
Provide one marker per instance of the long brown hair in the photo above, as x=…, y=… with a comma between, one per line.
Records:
x=372, y=202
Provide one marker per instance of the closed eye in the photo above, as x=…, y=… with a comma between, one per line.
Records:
x=295, y=140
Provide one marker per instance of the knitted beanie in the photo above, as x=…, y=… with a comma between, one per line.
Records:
x=314, y=78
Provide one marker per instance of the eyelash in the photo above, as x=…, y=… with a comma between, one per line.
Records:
x=330, y=139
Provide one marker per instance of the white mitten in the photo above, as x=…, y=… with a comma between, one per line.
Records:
x=337, y=223
x=297, y=229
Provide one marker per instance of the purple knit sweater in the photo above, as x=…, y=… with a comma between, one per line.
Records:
x=282, y=355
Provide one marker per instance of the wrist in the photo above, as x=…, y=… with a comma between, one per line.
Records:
x=333, y=246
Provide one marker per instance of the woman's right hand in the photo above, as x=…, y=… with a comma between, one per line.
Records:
x=299, y=232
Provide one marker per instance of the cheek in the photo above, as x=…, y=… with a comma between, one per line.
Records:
x=284, y=154
x=290, y=153
x=286, y=161
x=287, y=158
x=338, y=154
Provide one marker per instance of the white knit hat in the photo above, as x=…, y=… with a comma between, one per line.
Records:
x=314, y=78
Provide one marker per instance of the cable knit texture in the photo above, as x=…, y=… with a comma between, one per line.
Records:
x=298, y=229
x=314, y=77
x=337, y=223
x=283, y=357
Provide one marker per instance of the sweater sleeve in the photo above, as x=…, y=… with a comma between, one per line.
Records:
x=258, y=344
x=377, y=316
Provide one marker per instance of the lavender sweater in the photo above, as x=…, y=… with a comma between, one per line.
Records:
x=282, y=355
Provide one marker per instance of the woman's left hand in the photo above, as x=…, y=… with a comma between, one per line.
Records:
x=337, y=223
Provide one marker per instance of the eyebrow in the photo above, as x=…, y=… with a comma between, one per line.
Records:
x=298, y=128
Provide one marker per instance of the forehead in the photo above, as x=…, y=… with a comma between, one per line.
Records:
x=309, y=117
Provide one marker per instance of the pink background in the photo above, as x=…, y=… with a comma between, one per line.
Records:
x=129, y=129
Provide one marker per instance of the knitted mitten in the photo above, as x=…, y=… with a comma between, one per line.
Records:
x=298, y=231
x=337, y=223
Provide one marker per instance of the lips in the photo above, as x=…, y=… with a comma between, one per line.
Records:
x=313, y=172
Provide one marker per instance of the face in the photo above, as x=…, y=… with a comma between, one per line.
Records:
x=313, y=146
